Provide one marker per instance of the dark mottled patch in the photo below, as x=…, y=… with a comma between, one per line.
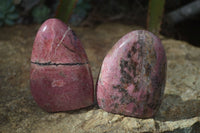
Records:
x=128, y=72
x=74, y=35
x=122, y=90
x=123, y=63
x=122, y=80
x=147, y=96
x=140, y=51
x=129, y=68
x=145, y=110
x=114, y=97
x=141, y=42
x=133, y=49
x=139, y=73
x=126, y=78
x=116, y=105
x=132, y=99
x=129, y=55
x=132, y=67
x=122, y=100
x=134, y=109
x=126, y=99
x=116, y=86
x=156, y=82
x=62, y=74
x=153, y=106
x=136, y=87
x=102, y=100
x=111, y=105
x=148, y=69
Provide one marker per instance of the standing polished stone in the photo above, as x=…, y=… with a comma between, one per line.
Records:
x=60, y=77
x=132, y=77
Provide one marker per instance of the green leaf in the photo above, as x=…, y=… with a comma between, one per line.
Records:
x=9, y=4
x=85, y=6
x=2, y=15
x=155, y=12
x=9, y=22
x=79, y=2
x=5, y=5
x=1, y=23
x=12, y=16
x=65, y=9
x=11, y=9
x=40, y=13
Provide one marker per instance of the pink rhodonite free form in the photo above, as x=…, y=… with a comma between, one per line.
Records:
x=60, y=78
x=132, y=77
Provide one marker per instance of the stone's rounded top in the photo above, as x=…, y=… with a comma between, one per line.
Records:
x=55, y=42
x=133, y=38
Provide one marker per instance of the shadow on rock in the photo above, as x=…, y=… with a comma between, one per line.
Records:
x=82, y=110
x=174, y=108
x=195, y=128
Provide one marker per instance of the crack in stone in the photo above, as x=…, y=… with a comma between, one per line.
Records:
x=56, y=64
x=62, y=41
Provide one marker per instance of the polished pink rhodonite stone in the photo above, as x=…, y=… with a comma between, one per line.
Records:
x=132, y=77
x=60, y=78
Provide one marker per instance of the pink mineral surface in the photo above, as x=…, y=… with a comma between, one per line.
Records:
x=60, y=78
x=132, y=77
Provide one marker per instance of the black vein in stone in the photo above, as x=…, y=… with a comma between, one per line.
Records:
x=56, y=64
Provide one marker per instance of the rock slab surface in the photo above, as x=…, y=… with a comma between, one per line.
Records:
x=19, y=112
